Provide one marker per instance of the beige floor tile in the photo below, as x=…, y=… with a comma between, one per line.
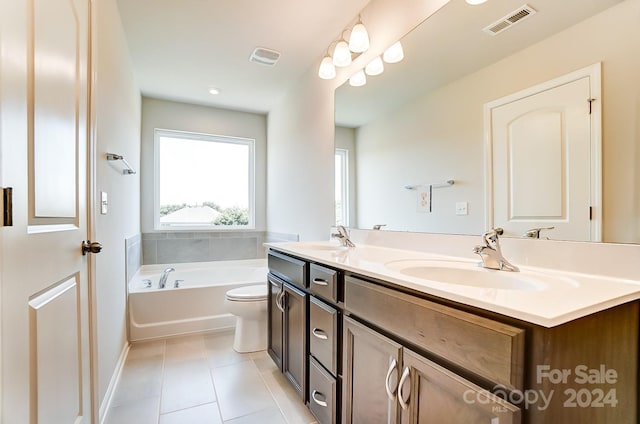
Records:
x=263, y=361
x=220, y=351
x=144, y=411
x=203, y=414
x=267, y=416
x=141, y=378
x=241, y=391
x=185, y=348
x=146, y=349
x=287, y=398
x=186, y=384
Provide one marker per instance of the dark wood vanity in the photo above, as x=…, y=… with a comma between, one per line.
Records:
x=364, y=350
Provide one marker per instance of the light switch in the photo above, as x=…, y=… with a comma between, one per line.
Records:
x=462, y=208
x=104, y=203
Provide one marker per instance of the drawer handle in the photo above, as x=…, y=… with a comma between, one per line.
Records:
x=405, y=375
x=320, y=282
x=391, y=393
x=319, y=333
x=318, y=401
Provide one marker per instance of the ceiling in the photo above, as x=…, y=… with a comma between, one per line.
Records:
x=451, y=44
x=181, y=48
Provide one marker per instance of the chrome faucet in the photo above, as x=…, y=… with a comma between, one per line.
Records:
x=535, y=232
x=163, y=278
x=343, y=236
x=490, y=252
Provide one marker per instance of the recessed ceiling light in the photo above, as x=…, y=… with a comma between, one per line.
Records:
x=214, y=91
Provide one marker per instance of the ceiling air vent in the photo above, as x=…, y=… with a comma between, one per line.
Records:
x=511, y=19
x=264, y=56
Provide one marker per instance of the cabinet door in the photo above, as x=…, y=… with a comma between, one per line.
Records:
x=295, y=339
x=430, y=394
x=275, y=318
x=371, y=364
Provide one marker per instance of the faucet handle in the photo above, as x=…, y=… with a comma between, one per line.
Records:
x=535, y=232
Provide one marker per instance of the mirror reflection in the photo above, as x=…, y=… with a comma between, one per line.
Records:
x=421, y=122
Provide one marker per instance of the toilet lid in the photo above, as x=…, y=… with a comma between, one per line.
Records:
x=248, y=293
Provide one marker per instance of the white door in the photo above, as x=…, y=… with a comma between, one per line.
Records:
x=45, y=368
x=545, y=161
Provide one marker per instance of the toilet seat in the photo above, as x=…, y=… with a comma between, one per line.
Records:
x=248, y=293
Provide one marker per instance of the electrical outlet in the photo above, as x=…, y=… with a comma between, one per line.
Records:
x=462, y=208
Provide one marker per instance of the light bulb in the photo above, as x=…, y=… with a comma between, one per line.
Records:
x=341, y=54
x=214, y=91
x=375, y=67
x=327, y=70
x=474, y=2
x=394, y=54
x=358, y=79
x=359, y=39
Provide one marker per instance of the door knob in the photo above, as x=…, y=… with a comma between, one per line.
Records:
x=90, y=247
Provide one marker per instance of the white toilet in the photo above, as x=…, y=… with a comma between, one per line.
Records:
x=249, y=305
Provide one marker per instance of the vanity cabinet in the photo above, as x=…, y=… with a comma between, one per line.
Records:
x=287, y=319
x=387, y=382
x=364, y=350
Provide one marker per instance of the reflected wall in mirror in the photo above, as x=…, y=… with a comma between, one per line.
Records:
x=421, y=121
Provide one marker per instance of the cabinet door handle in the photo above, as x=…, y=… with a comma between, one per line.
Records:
x=391, y=393
x=405, y=375
x=320, y=282
x=319, y=333
x=279, y=300
x=318, y=401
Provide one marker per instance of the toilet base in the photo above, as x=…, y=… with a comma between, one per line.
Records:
x=250, y=336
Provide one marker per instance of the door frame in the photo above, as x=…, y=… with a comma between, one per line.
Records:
x=594, y=73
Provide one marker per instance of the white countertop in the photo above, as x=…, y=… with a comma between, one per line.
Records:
x=563, y=296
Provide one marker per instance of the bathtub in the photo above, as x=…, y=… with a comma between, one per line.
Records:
x=197, y=305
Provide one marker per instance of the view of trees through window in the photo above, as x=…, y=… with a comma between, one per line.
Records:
x=204, y=180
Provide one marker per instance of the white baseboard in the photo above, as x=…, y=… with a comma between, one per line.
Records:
x=113, y=383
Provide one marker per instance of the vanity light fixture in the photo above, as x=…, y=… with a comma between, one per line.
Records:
x=394, y=54
x=327, y=69
x=375, y=67
x=342, y=54
x=358, y=79
x=359, y=38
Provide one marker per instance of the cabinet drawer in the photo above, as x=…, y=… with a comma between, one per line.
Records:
x=291, y=269
x=323, y=334
x=488, y=348
x=324, y=282
x=322, y=393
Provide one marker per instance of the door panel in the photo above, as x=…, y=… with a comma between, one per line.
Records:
x=275, y=318
x=295, y=339
x=371, y=361
x=544, y=166
x=44, y=69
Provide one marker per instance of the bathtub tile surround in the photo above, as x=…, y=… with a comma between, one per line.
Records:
x=180, y=247
x=133, y=255
x=200, y=379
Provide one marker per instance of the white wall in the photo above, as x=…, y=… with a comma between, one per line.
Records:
x=117, y=130
x=187, y=117
x=301, y=129
x=441, y=134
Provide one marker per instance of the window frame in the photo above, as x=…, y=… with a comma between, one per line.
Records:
x=251, y=143
x=344, y=172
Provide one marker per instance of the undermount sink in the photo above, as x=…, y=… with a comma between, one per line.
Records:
x=320, y=246
x=471, y=274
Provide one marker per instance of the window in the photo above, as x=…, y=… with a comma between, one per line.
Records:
x=203, y=181
x=342, y=187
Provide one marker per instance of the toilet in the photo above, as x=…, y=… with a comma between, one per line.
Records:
x=249, y=305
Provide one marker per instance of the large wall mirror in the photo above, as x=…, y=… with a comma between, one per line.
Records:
x=421, y=121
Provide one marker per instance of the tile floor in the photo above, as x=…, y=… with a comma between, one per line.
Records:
x=201, y=379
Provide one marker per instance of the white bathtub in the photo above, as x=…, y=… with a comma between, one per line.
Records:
x=197, y=305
